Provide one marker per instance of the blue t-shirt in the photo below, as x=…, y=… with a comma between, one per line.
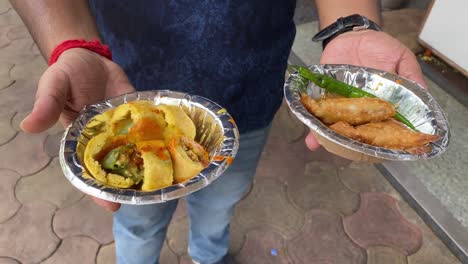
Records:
x=233, y=52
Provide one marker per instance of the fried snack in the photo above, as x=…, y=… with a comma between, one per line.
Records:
x=140, y=120
x=388, y=134
x=99, y=124
x=98, y=149
x=157, y=165
x=140, y=145
x=354, y=111
x=178, y=122
x=188, y=158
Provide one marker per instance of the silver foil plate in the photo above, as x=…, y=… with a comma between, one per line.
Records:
x=409, y=98
x=216, y=131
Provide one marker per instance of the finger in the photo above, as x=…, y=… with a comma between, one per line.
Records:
x=111, y=206
x=408, y=67
x=51, y=95
x=122, y=88
x=312, y=142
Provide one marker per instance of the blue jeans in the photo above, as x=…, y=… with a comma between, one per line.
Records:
x=140, y=230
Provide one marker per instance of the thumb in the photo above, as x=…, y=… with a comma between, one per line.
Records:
x=408, y=67
x=51, y=95
x=312, y=142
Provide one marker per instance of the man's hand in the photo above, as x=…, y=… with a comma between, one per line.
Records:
x=78, y=78
x=371, y=49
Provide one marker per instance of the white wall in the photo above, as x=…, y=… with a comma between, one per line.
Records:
x=446, y=31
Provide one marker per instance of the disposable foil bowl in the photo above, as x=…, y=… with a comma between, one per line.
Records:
x=216, y=131
x=408, y=97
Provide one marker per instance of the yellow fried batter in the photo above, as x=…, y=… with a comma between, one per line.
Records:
x=177, y=121
x=140, y=120
x=93, y=154
x=354, y=111
x=157, y=164
x=388, y=134
x=129, y=146
x=188, y=158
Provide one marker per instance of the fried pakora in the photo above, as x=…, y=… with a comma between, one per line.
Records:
x=140, y=145
x=387, y=134
x=188, y=156
x=354, y=111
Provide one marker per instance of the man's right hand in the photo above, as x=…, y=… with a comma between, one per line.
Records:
x=78, y=78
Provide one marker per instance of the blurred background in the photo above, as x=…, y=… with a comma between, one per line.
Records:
x=304, y=207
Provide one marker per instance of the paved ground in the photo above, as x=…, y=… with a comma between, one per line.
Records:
x=303, y=208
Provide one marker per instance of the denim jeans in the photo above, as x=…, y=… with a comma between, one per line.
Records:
x=140, y=230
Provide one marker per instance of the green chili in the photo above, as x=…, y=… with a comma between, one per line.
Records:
x=334, y=86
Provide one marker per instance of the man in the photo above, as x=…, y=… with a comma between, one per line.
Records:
x=233, y=52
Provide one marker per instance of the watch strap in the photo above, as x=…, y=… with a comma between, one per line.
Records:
x=354, y=22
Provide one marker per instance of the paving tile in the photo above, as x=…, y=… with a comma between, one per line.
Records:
x=28, y=236
x=177, y=236
x=48, y=185
x=30, y=148
x=385, y=255
x=8, y=203
x=363, y=177
x=9, y=17
x=75, y=250
x=17, y=119
x=4, y=6
x=5, y=79
x=237, y=237
x=307, y=50
x=305, y=12
x=84, y=218
x=52, y=144
x=277, y=153
x=404, y=24
x=378, y=222
x=262, y=245
x=17, y=51
x=6, y=131
x=8, y=261
x=106, y=255
x=267, y=205
x=323, y=239
x=445, y=176
x=286, y=145
x=4, y=41
x=35, y=49
x=167, y=256
x=433, y=250
x=19, y=97
x=32, y=69
x=440, y=95
x=319, y=187
x=286, y=125
x=18, y=32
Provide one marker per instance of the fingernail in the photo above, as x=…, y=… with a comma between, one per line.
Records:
x=21, y=125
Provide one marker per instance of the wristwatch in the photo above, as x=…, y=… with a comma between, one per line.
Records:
x=354, y=22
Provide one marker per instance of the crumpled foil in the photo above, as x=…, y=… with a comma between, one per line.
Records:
x=408, y=97
x=216, y=131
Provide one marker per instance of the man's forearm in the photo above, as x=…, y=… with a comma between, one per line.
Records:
x=330, y=10
x=50, y=22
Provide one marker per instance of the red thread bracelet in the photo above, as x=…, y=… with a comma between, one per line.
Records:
x=94, y=46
